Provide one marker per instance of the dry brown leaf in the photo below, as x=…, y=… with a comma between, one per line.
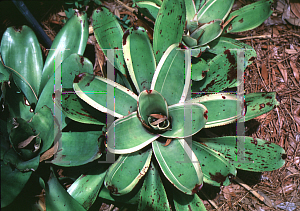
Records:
x=283, y=72
x=26, y=142
x=117, y=13
x=297, y=115
x=291, y=51
x=295, y=7
x=264, y=73
x=295, y=70
x=63, y=14
x=49, y=153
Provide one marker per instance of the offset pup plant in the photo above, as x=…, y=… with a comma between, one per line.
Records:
x=159, y=119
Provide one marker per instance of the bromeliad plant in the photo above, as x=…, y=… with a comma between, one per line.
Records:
x=27, y=91
x=155, y=123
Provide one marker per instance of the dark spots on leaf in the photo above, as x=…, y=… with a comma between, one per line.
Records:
x=204, y=73
x=181, y=46
x=196, y=188
x=87, y=84
x=149, y=91
x=218, y=177
x=180, y=175
x=65, y=98
x=241, y=20
x=160, y=31
x=249, y=153
x=252, y=58
x=261, y=106
x=224, y=97
x=113, y=189
x=230, y=57
x=78, y=77
x=268, y=97
x=269, y=104
x=254, y=141
x=82, y=60
x=205, y=114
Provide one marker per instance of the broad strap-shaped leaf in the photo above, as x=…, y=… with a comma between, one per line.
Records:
x=259, y=155
x=222, y=108
x=260, y=103
x=149, y=9
x=187, y=120
x=221, y=75
x=127, y=171
x=158, y=2
x=208, y=32
x=179, y=165
x=93, y=90
x=139, y=58
x=79, y=111
x=216, y=168
x=72, y=66
x=153, y=195
x=86, y=188
x=22, y=55
x=218, y=46
x=168, y=27
x=12, y=183
x=74, y=143
x=199, y=70
x=72, y=38
x=214, y=9
x=109, y=34
x=130, y=198
x=249, y=16
x=185, y=202
x=57, y=198
x=43, y=123
x=127, y=135
x=171, y=79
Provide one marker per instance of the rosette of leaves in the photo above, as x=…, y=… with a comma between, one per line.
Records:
x=155, y=133
x=27, y=87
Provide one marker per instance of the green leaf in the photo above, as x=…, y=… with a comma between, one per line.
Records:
x=135, y=138
x=86, y=188
x=22, y=55
x=127, y=171
x=185, y=202
x=109, y=34
x=208, y=32
x=148, y=8
x=73, y=144
x=214, y=9
x=190, y=14
x=158, y=2
x=256, y=155
x=199, y=69
x=153, y=195
x=169, y=25
x=4, y=74
x=221, y=75
x=12, y=183
x=260, y=103
x=139, y=58
x=130, y=198
x=57, y=198
x=218, y=46
x=93, y=90
x=189, y=41
x=187, y=120
x=249, y=16
x=72, y=38
x=78, y=110
x=179, y=165
x=221, y=108
x=216, y=168
x=171, y=79
x=72, y=66
x=43, y=123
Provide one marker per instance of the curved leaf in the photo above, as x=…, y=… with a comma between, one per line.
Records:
x=169, y=25
x=85, y=189
x=78, y=110
x=93, y=90
x=221, y=108
x=208, y=32
x=127, y=135
x=127, y=171
x=21, y=52
x=139, y=58
x=187, y=120
x=72, y=38
x=259, y=155
x=216, y=168
x=214, y=9
x=249, y=16
x=260, y=103
x=12, y=183
x=185, y=202
x=109, y=34
x=153, y=195
x=130, y=198
x=190, y=14
x=148, y=8
x=189, y=41
x=170, y=77
x=180, y=167
x=73, y=144
x=199, y=69
x=57, y=198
